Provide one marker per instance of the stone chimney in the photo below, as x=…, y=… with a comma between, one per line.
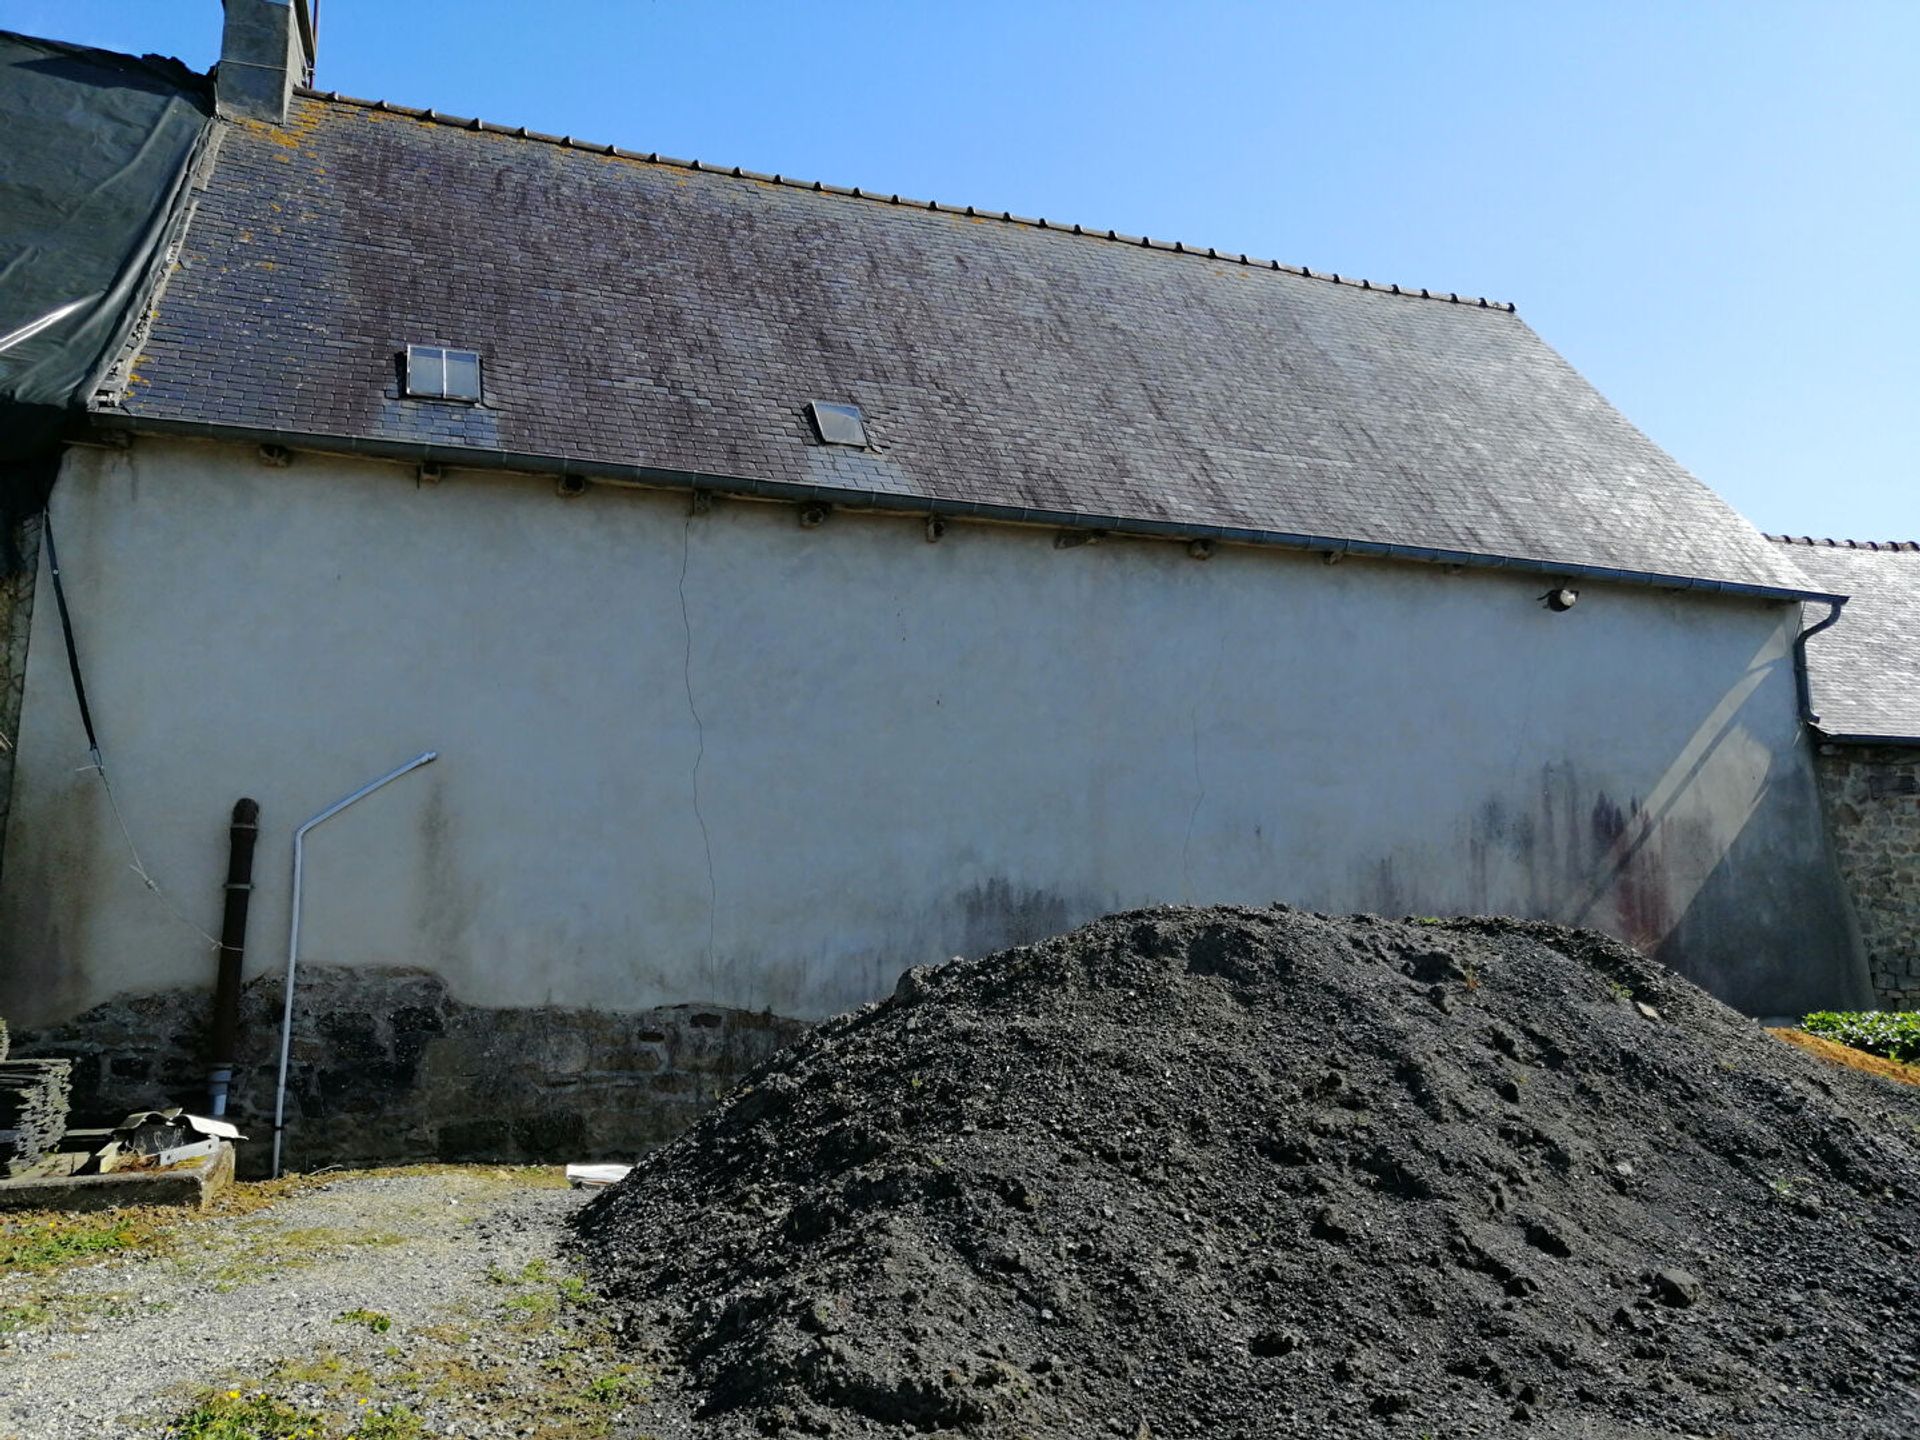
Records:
x=266, y=50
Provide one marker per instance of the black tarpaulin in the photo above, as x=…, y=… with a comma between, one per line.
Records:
x=95, y=149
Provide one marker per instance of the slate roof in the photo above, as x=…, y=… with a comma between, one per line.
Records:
x=637, y=311
x=1865, y=671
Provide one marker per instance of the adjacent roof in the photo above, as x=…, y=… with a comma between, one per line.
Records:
x=1865, y=671
x=639, y=312
x=96, y=149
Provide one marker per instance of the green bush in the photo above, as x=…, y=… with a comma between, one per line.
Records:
x=1894, y=1034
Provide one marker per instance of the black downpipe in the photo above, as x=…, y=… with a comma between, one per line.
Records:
x=233, y=944
x=1803, y=685
x=66, y=631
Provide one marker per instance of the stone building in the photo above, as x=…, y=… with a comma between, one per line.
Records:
x=799, y=583
x=1865, y=677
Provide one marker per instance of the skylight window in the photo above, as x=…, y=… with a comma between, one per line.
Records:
x=838, y=424
x=437, y=373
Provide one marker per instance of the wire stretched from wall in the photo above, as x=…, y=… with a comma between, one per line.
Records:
x=699, y=729
x=97, y=764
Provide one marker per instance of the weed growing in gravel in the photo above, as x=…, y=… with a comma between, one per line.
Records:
x=268, y=1249
x=378, y=1321
x=542, y=1292
x=36, y=1241
x=230, y=1415
x=389, y=1422
x=30, y=1316
x=325, y=1368
x=618, y=1386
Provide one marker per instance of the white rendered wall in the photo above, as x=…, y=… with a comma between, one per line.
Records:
x=905, y=750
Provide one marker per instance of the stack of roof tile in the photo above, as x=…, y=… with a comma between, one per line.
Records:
x=33, y=1110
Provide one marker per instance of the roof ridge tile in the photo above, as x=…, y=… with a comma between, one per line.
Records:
x=1007, y=217
x=1884, y=547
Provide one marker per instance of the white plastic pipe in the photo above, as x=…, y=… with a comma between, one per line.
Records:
x=425, y=757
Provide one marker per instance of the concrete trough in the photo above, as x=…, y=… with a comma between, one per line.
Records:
x=52, y=1185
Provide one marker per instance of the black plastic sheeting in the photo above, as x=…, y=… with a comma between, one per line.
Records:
x=95, y=150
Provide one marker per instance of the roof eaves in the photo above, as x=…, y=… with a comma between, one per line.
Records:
x=471, y=457
x=855, y=192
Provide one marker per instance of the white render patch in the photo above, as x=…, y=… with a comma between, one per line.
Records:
x=902, y=751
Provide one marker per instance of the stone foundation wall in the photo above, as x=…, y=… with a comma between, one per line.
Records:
x=387, y=1067
x=1872, y=801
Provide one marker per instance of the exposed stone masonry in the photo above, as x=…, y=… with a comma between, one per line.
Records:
x=1872, y=800
x=388, y=1067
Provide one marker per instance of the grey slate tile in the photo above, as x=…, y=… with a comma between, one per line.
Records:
x=642, y=313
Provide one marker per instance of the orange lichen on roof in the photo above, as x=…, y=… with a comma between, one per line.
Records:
x=1834, y=1053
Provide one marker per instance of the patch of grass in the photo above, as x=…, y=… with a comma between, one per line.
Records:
x=389, y=1422
x=542, y=1291
x=536, y=1304
x=1890, y=1034
x=34, y=1240
x=265, y=1250
x=230, y=1415
x=85, y=1310
x=30, y=1316
x=616, y=1387
x=378, y=1321
x=326, y=1369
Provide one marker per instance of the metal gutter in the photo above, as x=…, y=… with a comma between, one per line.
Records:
x=1895, y=742
x=649, y=476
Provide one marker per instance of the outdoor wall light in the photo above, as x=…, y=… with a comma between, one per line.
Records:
x=1560, y=600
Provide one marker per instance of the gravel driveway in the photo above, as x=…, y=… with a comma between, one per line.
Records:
x=411, y=1304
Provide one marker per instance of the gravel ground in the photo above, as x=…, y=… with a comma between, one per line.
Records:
x=466, y=1320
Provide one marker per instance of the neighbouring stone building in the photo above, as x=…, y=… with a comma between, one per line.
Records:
x=1865, y=678
x=801, y=583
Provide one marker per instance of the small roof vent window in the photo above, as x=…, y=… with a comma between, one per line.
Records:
x=437, y=373
x=838, y=424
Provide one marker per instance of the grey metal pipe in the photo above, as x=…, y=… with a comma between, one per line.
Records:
x=425, y=757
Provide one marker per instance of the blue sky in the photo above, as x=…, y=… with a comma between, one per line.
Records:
x=1711, y=209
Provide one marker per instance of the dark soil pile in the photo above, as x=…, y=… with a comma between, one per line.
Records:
x=1233, y=1172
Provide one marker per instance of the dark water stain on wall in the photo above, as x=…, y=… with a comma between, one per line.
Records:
x=1755, y=917
x=54, y=895
x=999, y=914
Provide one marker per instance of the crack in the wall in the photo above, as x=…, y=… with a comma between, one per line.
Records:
x=699, y=728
